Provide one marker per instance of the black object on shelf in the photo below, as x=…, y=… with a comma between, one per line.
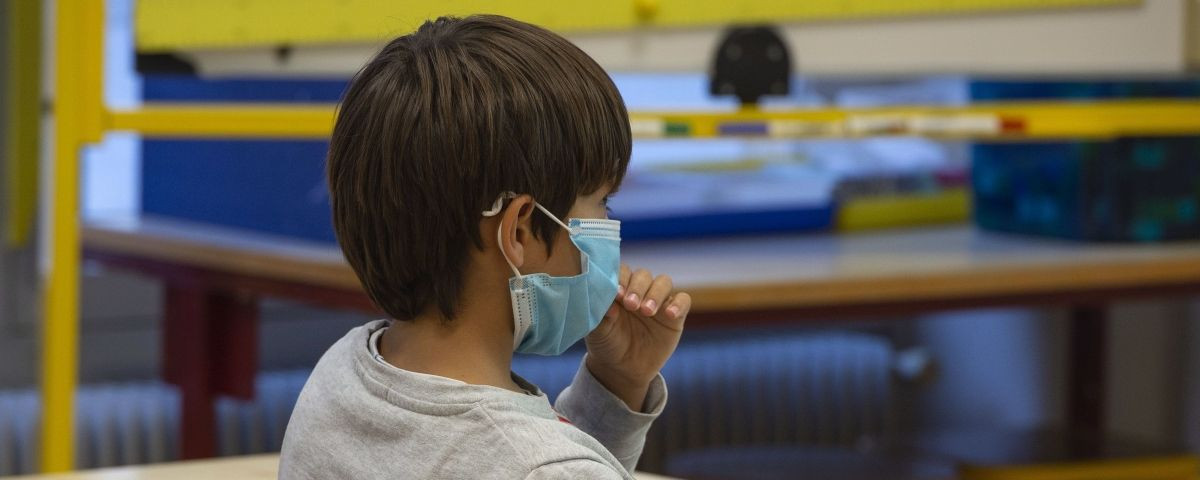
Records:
x=750, y=62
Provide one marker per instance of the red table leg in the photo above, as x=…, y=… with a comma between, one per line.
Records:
x=185, y=364
x=210, y=347
x=1088, y=368
x=233, y=344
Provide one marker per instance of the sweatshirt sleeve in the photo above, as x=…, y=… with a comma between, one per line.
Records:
x=599, y=413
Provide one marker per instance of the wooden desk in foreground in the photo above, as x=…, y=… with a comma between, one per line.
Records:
x=215, y=276
x=252, y=467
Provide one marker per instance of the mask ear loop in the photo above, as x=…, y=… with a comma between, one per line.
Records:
x=499, y=238
x=498, y=204
x=582, y=257
x=552, y=217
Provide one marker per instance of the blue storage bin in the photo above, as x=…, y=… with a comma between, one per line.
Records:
x=1129, y=189
x=1133, y=189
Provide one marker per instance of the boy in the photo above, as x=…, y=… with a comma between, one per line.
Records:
x=460, y=155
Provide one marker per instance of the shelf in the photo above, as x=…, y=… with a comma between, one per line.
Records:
x=996, y=121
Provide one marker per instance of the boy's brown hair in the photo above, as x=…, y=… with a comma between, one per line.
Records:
x=441, y=122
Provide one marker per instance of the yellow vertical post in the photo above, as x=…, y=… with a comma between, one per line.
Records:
x=23, y=95
x=78, y=118
x=60, y=330
x=91, y=80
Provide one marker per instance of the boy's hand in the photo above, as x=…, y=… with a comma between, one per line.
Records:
x=637, y=335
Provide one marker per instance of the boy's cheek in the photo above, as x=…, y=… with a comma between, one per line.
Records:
x=588, y=208
x=565, y=261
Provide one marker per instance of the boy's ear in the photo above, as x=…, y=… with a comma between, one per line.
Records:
x=516, y=229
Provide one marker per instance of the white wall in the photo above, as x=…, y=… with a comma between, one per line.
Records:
x=1147, y=386
x=1191, y=380
x=1192, y=30
x=997, y=368
x=1148, y=38
x=1008, y=368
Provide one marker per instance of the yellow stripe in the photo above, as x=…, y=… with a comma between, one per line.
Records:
x=1183, y=467
x=1042, y=120
x=209, y=120
x=952, y=205
x=23, y=96
x=177, y=24
x=1048, y=119
x=91, y=71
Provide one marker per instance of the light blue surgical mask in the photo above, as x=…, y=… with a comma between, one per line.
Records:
x=552, y=313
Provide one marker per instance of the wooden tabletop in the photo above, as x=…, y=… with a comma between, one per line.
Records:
x=739, y=273
x=252, y=467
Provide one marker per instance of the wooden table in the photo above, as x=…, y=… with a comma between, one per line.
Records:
x=252, y=467
x=215, y=276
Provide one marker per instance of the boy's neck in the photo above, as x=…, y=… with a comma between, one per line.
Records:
x=463, y=349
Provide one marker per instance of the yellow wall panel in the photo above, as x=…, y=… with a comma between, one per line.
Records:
x=19, y=167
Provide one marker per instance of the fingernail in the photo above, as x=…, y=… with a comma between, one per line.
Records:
x=673, y=311
x=650, y=306
x=620, y=289
x=632, y=299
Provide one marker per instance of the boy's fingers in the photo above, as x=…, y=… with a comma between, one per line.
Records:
x=677, y=309
x=656, y=295
x=623, y=280
x=635, y=290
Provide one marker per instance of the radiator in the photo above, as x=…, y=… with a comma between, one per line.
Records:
x=122, y=424
x=827, y=390
x=800, y=389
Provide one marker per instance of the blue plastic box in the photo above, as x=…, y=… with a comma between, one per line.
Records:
x=1132, y=189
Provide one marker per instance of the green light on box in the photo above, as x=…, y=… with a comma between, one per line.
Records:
x=677, y=129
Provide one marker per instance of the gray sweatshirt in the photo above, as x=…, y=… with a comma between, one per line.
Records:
x=359, y=417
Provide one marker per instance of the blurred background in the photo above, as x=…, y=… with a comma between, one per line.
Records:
x=927, y=239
